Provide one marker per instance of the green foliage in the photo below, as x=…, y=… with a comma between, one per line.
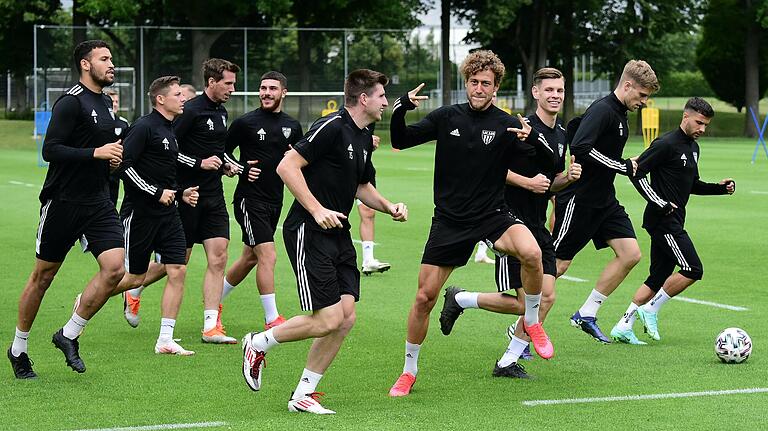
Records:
x=684, y=83
x=16, y=20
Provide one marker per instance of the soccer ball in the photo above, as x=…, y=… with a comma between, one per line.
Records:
x=733, y=346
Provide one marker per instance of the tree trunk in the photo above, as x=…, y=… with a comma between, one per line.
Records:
x=566, y=17
x=752, y=71
x=445, y=50
x=18, y=93
x=79, y=19
x=305, y=46
x=202, y=41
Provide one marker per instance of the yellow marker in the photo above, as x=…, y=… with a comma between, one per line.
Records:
x=650, y=120
x=330, y=108
x=504, y=107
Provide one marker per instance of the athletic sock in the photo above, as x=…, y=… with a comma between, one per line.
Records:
x=307, y=384
x=626, y=321
x=166, y=329
x=367, y=251
x=74, y=327
x=532, y=304
x=654, y=305
x=19, y=345
x=411, y=358
x=270, y=307
x=209, y=319
x=264, y=341
x=593, y=303
x=228, y=287
x=467, y=299
x=514, y=350
x=136, y=293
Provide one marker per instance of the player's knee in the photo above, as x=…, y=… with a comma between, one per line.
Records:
x=113, y=273
x=42, y=280
x=348, y=323
x=530, y=256
x=176, y=272
x=562, y=266
x=217, y=261
x=330, y=323
x=425, y=300
x=631, y=257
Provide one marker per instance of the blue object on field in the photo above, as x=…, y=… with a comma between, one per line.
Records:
x=42, y=118
x=761, y=131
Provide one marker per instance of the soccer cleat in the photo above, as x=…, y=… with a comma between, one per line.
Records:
x=540, y=340
x=650, y=323
x=309, y=403
x=70, y=348
x=171, y=348
x=216, y=336
x=131, y=306
x=482, y=258
x=22, y=365
x=451, y=310
x=513, y=370
x=279, y=320
x=374, y=265
x=218, y=320
x=254, y=362
x=625, y=336
x=589, y=325
x=403, y=385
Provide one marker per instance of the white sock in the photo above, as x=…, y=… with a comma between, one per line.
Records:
x=467, y=299
x=264, y=341
x=307, y=384
x=411, y=358
x=593, y=303
x=75, y=326
x=482, y=250
x=136, y=293
x=532, y=304
x=270, y=307
x=209, y=319
x=654, y=305
x=367, y=251
x=514, y=350
x=19, y=345
x=228, y=287
x=626, y=321
x=166, y=329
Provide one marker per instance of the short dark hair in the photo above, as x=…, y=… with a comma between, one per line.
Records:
x=83, y=51
x=215, y=67
x=361, y=81
x=160, y=86
x=697, y=104
x=546, y=73
x=277, y=76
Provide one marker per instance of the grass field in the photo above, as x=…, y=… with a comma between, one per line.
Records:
x=127, y=385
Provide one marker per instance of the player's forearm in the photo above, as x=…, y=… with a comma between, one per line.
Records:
x=623, y=167
x=643, y=186
x=189, y=161
x=297, y=185
x=517, y=180
x=132, y=178
x=401, y=135
x=372, y=198
x=54, y=151
x=708, y=189
x=560, y=182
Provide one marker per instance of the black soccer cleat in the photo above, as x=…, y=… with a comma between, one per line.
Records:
x=22, y=366
x=451, y=310
x=70, y=348
x=513, y=370
x=589, y=325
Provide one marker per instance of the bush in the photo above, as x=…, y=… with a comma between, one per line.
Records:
x=685, y=84
x=20, y=114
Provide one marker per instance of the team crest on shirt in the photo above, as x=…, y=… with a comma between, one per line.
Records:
x=210, y=124
x=561, y=149
x=351, y=152
x=696, y=157
x=166, y=143
x=287, y=132
x=95, y=116
x=118, y=131
x=261, y=134
x=365, y=155
x=488, y=136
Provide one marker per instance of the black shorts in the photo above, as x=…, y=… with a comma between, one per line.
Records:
x=146, y=233
x=508, y=267
x=576, y=225
x=63, y=223
x=451, y=244
x=325, y=264
x=669, y=250
x=257, y=220
x=209, y=219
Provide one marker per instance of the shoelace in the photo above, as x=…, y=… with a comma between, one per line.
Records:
x=254, y=367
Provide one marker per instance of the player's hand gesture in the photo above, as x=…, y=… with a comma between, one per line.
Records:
x=112, y=152
x=574, y=170
x=524, y=131
x=167, y=197
x=253, y=172
x=634, y=166
x=328, y=219
x=376, y=141
x=669, y=208
x=414, y=97
x=399, y=212
x=539, y=184
x=190, y=196
x=212, y=163
x=730, y=185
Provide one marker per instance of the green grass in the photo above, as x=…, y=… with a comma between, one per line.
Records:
x=127, y=385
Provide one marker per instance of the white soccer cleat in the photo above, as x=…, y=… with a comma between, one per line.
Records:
x=373, y=266
x=309, y=403
x=483, y=258
x=171, y=347
x=253, y=363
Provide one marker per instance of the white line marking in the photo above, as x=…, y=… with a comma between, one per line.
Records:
x=418, y=169
x=644, y=397
x=19, y=183
x=711, y=304
x=576, y=279
x=162, y=427
x=758, y=192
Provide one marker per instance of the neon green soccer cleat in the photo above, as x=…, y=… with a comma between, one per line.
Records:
x=626, y=337
x=650, y=323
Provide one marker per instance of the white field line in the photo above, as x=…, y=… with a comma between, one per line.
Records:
x=280, y=227
x=711, y=304
x=576, y=279
x=533, y=403
x=19, y=183
x=758, y=192
x=162, y=427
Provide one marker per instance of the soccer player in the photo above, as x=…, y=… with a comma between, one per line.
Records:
x=672, y=161
x=536, y=170
x=367, y=231
x=189, y=91
x=80, y=147
x=201, y=131
x=588, y=209
x=150, y=218
x=473, y=143
x=325, y=171
x=263, y=135
x=121, y=126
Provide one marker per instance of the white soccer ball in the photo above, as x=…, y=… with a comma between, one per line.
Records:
x=733, y=346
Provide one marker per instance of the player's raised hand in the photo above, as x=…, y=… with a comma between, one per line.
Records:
x=730, y=185
x=328, y=219
x=212, y=163
x=112, y=151
x=190, y=195
x=253, y=172
x=399, y=212
x=376, y=141
x=524, y=131
x=167, y=197
x=414, y=97
x=539, y=184
x=574, y=170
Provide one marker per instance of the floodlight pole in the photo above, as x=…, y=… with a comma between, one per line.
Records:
x=245, y=69
x=34, y=71
x=141, y=67
x=346, y=53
